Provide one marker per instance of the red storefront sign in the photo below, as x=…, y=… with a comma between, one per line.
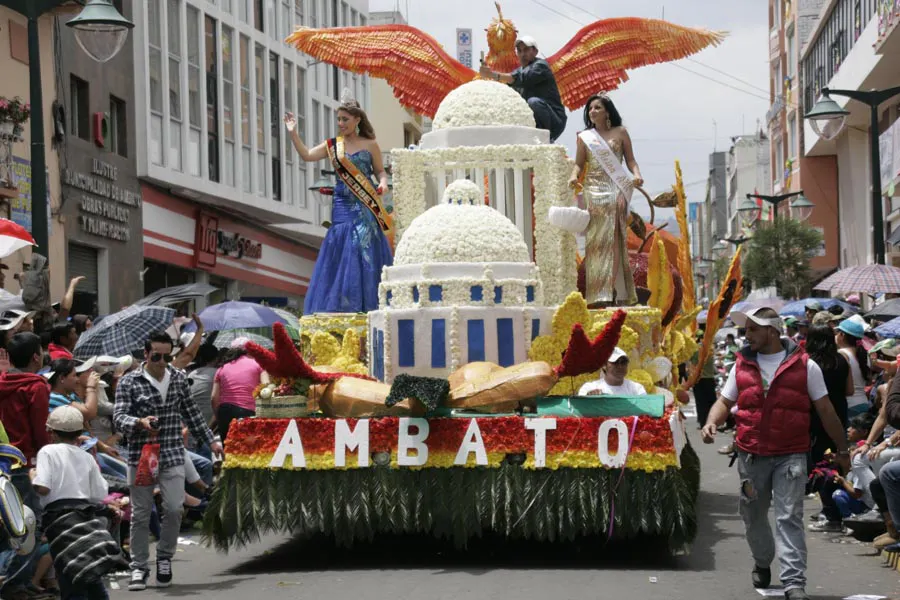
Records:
x=206, y=241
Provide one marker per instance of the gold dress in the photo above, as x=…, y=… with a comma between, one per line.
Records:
x=607, y=272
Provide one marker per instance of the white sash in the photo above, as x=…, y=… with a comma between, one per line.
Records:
x=607, y=159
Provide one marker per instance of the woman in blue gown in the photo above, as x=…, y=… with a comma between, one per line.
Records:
x=356, y=247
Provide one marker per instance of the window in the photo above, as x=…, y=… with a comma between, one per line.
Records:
x=299, y=13
x=778, y=171
x=285, y=22
x=118, y=126
x=435, y=293
x=438, y=344
x=314, y=14
x=288, y=180
x=246, y=156
x=406, y=334
x=227, y=6
x=275, y=123
x=316, y=133
x=301, y=127
x=258, y=15
x=792, y=136
x=194, y=111
x=791, y=59
x=228, y=103
x=475, y=338
x=174, y=30
x=334, y=13
x=354, y=18
x=80, y=108
x=212, y=99
x=244, y=10
x=260, y=70
x=271, y=19
x=476, y=293
x=154, y=33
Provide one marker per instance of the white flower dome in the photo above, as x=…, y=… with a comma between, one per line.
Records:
x=483, y=103
x=461, y=233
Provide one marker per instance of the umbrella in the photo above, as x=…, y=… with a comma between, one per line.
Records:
x=224, y=339
x=123, y=332
x=176, y=294
x=891, y=329
x=291, y=322
x=747, y=305
x=13, y=237
x=885, y=311
x=797, y=308
x=724, y=332
x=237, y=315
x=869, y=279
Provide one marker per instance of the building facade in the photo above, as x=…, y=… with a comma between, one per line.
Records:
x=100, y=211
x=850, y=48
x=792, y=28
x=718, y=195
x=227, y=199
x=15, y=152
x=748, y=172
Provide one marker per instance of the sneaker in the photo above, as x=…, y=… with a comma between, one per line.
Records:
x=762, y=577
x=726, y=450
x=796, y=594
x=163, y=572
x=817, y=517
x=138, y=580
x=827, y=527
x=870, y=516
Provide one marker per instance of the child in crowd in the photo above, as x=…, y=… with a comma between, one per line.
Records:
x=70, y=485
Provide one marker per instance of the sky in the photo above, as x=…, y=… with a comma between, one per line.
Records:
x=682, y=110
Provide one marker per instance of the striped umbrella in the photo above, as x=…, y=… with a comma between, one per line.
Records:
x=867, y=279
x=225, y=338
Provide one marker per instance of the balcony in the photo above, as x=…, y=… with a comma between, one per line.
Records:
x=888, y=43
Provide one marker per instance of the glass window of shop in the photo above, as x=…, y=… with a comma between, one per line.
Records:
x=260, y=70
x=161, y=275
x=173, y=17
x=275, y=124
x=154, y=24
x=194, y=112
x=213, y=147
x=301, y=124
x=228, y=103
x=246, y=151
x=288, y=152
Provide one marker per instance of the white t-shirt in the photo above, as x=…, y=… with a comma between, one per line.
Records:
x=69, y=473
x=861, y=477
x=628, y=388
x=859, y=398
x=768, y=365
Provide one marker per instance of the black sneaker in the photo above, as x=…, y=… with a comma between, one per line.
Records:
x=762, y=577
x=138, y=580
x=796, y=594
x=163, y=572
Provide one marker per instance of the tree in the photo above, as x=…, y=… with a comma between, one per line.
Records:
x=779, y=256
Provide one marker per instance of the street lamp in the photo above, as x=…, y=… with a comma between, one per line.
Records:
x=751, y=212
x=827, y=110
x=738, y=241
x=97, y=15
x=801, y=208
x=100, y=30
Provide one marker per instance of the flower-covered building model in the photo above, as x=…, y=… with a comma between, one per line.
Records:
x=484, y=132
x=462, y=289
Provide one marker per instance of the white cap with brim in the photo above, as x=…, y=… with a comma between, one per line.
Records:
x=617, y=354
x=67, y=419
x=740, y=319
x=85, y=365
x=527, y=40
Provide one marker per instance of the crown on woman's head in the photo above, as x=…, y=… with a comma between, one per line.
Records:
x=347, y=99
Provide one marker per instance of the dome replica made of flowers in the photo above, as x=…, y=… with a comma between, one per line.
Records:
x=461, y=230
x=483, y=103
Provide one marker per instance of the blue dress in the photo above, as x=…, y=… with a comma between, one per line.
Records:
x=348, y=268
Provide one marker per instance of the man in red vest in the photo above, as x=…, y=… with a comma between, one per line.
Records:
x=774, y=383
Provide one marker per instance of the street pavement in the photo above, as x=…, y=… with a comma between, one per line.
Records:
x=718, y=566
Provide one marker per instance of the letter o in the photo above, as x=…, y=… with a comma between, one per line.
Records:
x=606, y=428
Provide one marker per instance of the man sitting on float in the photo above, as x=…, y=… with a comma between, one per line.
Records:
x=613, y=382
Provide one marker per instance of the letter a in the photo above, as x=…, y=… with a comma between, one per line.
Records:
x=357, y=440
x=472, y=442
x=290, y=445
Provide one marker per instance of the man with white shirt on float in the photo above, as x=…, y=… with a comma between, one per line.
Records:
x=613, y=382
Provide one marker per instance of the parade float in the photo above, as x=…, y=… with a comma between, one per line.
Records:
x=452, y=410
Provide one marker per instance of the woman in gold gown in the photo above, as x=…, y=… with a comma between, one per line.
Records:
x=608, y=277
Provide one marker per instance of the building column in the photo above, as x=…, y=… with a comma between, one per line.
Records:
x=233, y=290
x=201, y=276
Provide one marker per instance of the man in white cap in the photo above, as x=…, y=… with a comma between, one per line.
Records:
x=535, y=81
x=773, y=383
x=613, y=382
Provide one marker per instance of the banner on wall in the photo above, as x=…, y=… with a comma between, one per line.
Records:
x=464, y=46
x=20, y=207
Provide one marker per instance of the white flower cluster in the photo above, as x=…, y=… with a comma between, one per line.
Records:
x=555, y=249
x=483, y=103
x=458, y=292
x=453, y=233
x=462, y=191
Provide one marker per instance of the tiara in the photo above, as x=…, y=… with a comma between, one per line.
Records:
x=347, y=98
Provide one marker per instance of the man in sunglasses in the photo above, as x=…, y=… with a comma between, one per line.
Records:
x=151, y=404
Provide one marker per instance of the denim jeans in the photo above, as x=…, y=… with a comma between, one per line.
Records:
x=889, y=476
x=847, y=504
x=112, y=466
x=202, y=465
x=778, y=481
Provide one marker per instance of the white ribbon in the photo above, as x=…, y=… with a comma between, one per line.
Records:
x=608, y=160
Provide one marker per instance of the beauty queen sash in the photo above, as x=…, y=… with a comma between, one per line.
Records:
x=359, y=184
x=607, y=159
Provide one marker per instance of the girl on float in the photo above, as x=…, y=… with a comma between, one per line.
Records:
x=358, y=243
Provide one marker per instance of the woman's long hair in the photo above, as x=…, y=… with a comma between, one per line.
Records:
x=615, y=119
x=352, y=108
x=822, y=347
x=862, y=357
x=230, y=356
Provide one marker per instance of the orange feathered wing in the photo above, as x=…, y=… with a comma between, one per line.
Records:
x=596, y=59
x=411, y=61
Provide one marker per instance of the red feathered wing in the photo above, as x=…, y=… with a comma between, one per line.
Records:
x=596, y=59
x=411, y=61
x=586, y=356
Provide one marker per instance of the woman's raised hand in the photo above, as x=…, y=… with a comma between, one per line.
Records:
x=290, y=122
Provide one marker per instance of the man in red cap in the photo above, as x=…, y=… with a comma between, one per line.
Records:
x=773, y=383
